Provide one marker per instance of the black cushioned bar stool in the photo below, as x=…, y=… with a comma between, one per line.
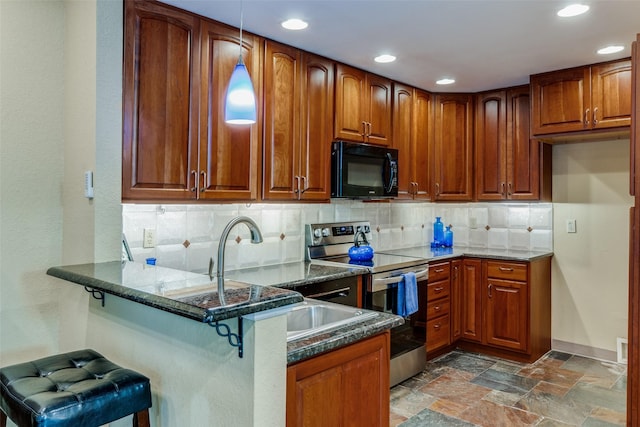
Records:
x=76, y=389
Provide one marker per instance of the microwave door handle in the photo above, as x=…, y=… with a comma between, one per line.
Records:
x=392, y=173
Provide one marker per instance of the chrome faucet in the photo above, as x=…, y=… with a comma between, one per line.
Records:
x=256, y=237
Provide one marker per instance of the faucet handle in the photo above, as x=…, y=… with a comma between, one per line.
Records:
x=211, y=268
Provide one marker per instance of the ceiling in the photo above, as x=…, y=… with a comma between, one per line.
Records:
x=483, y=44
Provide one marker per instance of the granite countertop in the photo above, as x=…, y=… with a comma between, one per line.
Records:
x=435, y=254
x=183, y=293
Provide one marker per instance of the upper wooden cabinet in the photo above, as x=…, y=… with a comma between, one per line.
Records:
x=584, y=98
x=298, y=124
x=176, y=145
x=160, y=117
x=363, y=106
x=411, y=124
x=229, y=154
x=453, y=147
x=509, y=164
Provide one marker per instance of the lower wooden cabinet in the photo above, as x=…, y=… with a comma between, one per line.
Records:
x=490, y=306
x=346, y=387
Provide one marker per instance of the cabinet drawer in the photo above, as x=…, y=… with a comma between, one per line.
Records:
x=507, y=270
x=437, y=290
x=437, y=333
x=438, y=308
x=440, y=271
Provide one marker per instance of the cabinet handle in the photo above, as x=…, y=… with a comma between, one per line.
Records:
x=368, y=129
x=595, y=117
x=490, y=289
x=505, y=269
x=504, y=190
x=195, y=181
x=510, y=189
x=204, y=181
x=296, y=185
x=305, y=184
x=437, y=189
x=364, y=128
x=455, y=272
x=586, y=117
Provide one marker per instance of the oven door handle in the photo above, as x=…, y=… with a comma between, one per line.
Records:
x=344, y=292
x=381, y=284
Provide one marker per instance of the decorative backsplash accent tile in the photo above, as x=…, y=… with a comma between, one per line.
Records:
x=188, y=235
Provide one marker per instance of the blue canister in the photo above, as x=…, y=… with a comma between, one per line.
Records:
x=448, y=237
x=438, y=232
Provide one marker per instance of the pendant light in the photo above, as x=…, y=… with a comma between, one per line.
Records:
x=240, y=101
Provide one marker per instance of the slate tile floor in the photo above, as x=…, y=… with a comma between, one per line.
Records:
x=469, y=389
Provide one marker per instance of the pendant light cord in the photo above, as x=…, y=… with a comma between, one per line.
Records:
x=241, y=20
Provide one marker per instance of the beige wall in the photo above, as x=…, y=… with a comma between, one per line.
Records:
x=590, y=267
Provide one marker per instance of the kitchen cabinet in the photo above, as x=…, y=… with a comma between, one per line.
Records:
x=581, y=99
x=229, y=154
x=453, y=148
x=513, y=303
x=438, y=306
x=176, y=145
x=298, y=124
x=363, y=106
x=471, y=295
x=411, y=124
x=346, y=387
x=509, y=164
x=160, y=109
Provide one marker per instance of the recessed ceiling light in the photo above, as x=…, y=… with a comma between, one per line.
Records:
x=610, y=49
x=445, y=81
x=573, y=10
x=385, y=58
x=295, y=24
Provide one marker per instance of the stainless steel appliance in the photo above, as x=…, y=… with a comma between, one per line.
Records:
x=329, y=244
x=363, y=171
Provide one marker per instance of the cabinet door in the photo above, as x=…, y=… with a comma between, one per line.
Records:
x=379, y=112
x=229, y=154
x=160, y=117
x=523, y=152
x=453, y=147
x=350, y=109
x=560, y=101
x=316, y=126
x=472, y=300
x=345, y=387
x=456, y=307
x=507, y=314
x=610, y=89
x=422, y=159
x=403, y=103
x=281, y=122
x=490, y=145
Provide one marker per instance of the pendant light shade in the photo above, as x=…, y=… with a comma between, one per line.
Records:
x=240, y=102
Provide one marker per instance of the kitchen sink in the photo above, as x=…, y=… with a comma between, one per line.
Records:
x=311, y=317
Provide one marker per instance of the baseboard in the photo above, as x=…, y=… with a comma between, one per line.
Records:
x=584, y=350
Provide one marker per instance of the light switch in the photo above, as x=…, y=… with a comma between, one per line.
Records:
x=571, y=226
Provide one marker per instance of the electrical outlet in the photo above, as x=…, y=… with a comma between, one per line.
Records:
x=149, y=238
x=473, y=222
x=571, y=226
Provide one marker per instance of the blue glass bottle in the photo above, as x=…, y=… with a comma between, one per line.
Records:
x=438, y=232
x=448, y=237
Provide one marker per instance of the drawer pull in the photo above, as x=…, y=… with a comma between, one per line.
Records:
x=436, y=326
x=506, y=269
x=438, y=290
x=436, y=308
x=439, y=270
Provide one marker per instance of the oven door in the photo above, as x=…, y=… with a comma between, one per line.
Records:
x=381, y=294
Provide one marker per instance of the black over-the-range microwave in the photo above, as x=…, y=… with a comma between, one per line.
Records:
x=363, y=171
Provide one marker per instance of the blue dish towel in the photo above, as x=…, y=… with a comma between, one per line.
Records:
x=407, y=295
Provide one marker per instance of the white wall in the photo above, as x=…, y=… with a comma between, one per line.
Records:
x=590, y=268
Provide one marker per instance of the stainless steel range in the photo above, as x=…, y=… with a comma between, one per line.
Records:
x=329, y=243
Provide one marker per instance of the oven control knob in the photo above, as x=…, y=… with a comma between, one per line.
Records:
x=317, y=233
x=326, y=232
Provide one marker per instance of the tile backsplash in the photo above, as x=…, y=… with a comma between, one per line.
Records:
x=188, y=235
